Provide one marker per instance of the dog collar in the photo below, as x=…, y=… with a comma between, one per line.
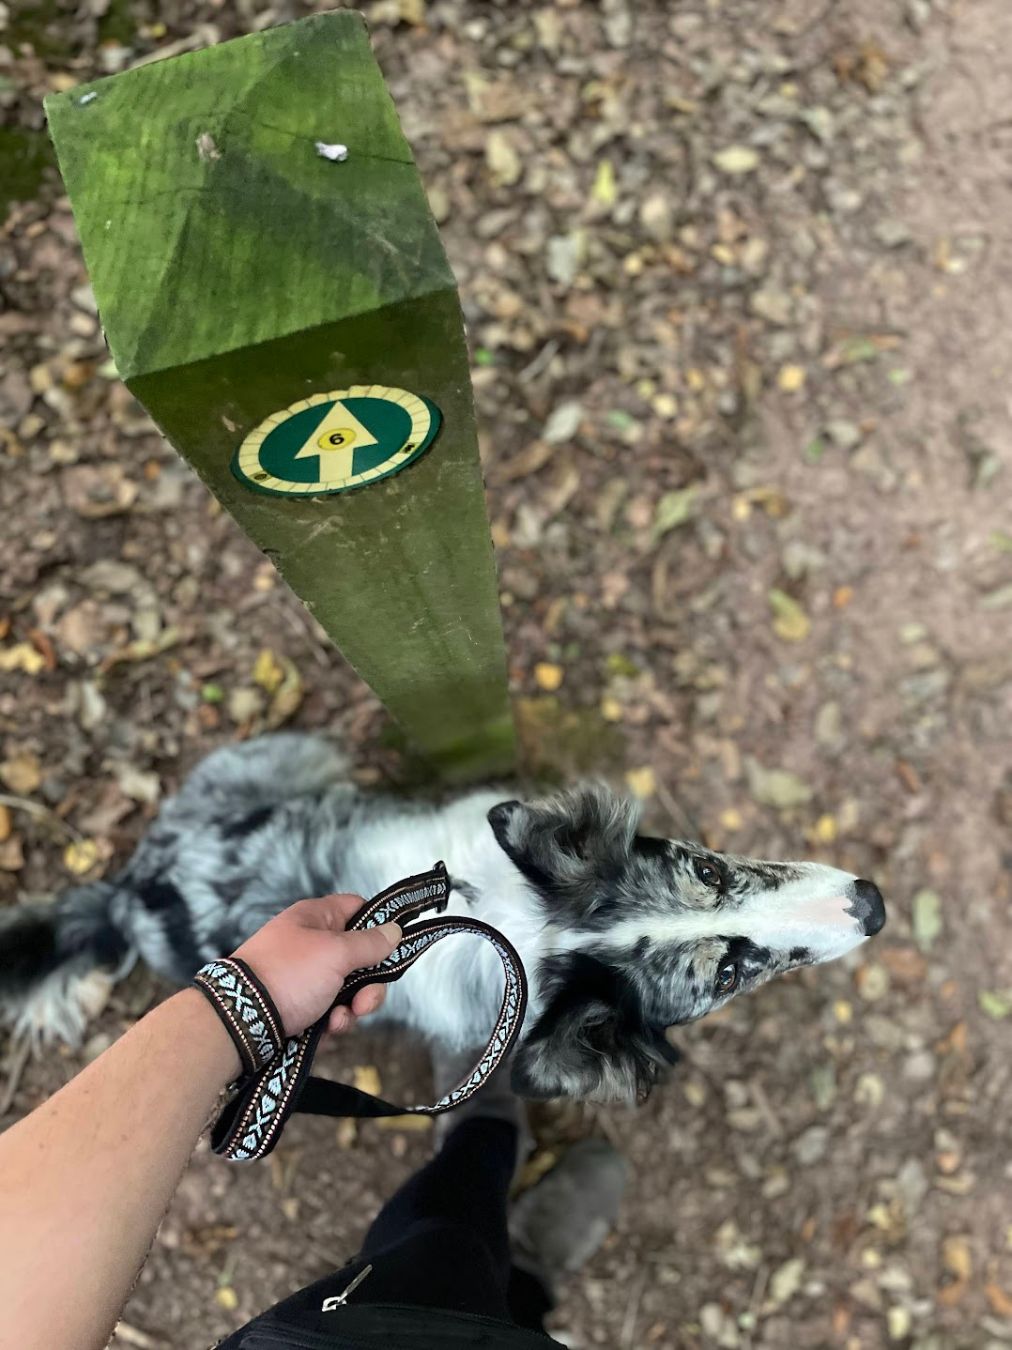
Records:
x=252, y=1121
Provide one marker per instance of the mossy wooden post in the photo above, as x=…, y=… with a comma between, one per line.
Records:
x=238, y=271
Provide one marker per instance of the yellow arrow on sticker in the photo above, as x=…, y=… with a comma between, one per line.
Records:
x=335, y=441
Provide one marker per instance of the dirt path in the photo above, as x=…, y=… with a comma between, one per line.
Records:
x=738, y=279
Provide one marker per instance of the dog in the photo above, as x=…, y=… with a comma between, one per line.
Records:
x=622, y=935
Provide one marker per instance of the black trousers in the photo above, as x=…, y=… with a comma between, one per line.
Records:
x=440, y=1242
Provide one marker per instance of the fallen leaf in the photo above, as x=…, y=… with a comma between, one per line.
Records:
x=958, y=1263
x=791, y=379
x=872, y=981
x=604, y=190
x=22, y=656
x=776, y=787
x=5, y=823
x=22, y=773
x=548, y=676
x=772, y=501
x=786, y=1280
x=366, y=1078
x=905, y=964
x=956, y=1042
x=869, y=1090
x=141, y=650
x=97, y=491
x=898, y=1321
x=731, y=819
x=736, y=159
x=790, y=621
x=844, y=433
x=999, y=1302
x=824, y=831
x=823, y=1080
x=994, y=1004
x=927, y=918
x=527, y=461
x=415, y=1123
x=268, y=671
x=642, y=783
x=81, y=856
x=842, y=596
x=611, y=709
x=673, y=509
x=12, y=855
x=138, y=784
x=563, y=423
x=855, y=351
x=347, y=1133
x=564, y=255
x=244, y=704
x=42, y=643
x=539, y=1164
x=288, y=697
x=503, y=161
x=561, y=490
x=872, y=67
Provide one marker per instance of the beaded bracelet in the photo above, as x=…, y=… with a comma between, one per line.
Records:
x=245, y=1008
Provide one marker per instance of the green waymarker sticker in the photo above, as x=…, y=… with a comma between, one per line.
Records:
x=334, y=442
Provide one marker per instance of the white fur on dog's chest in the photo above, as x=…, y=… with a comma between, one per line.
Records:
x=453, y=992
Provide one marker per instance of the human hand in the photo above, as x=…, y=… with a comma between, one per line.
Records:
x=303, y=955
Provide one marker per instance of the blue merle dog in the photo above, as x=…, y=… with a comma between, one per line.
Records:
x=622, y=935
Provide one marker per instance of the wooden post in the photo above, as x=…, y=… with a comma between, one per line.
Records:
x=288, y=317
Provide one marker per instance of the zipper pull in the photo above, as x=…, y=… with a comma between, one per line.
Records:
x=339, y=1300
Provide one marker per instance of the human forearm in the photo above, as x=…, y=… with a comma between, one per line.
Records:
x=85, y=1179
x=88, y=1176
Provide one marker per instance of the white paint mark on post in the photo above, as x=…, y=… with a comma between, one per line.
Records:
x=206, y=147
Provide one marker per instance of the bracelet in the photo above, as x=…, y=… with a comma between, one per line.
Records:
x=245, y=1008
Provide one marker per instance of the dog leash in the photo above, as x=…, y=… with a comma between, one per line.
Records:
x=252, y=1121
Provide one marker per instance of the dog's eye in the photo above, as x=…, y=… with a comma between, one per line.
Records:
x=727, y=978
x=707, y=872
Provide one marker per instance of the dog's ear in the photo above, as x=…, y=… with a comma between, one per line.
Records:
x=564, y=843
x=588, y=1043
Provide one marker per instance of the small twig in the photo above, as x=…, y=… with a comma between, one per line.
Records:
x=755, y=1300
x=543, y=359
x=632, y=1311
x=765, y=1107
x=123, y=1331
x=17, y=1059
x=40, y=812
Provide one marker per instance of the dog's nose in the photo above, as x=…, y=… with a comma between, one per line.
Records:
x=869, y=907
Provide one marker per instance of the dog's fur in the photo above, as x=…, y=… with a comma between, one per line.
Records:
x=622, y=935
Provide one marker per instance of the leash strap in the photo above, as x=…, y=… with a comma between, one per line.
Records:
x=251, y=1123
x=246, y=1009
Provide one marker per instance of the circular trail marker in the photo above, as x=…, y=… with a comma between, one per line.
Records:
x=337, y=441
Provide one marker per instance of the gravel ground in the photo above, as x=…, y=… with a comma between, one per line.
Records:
x=738, y=280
